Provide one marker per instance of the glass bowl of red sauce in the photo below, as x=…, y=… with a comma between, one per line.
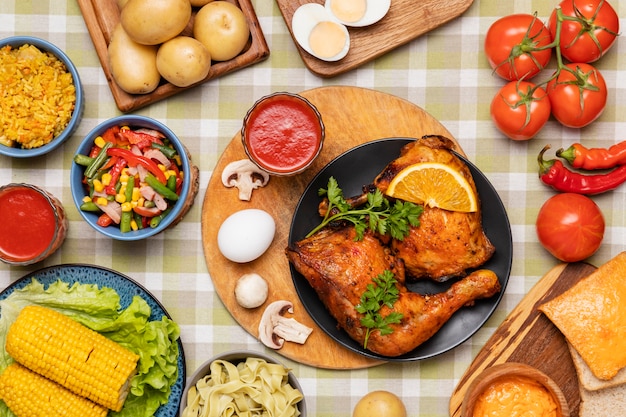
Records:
x=283, y=133
x=34, y=224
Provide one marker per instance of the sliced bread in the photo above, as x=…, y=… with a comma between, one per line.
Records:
x=588, y=380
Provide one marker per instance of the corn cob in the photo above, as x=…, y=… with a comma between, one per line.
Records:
x=80, y=359
x=28, y=394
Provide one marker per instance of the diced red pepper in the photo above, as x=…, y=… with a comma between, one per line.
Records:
x=147, y=212
x=110, y=135
x=111, y=162
x=95, y=150
x=104, y=220
x=142, y=140
x=134, y=160
x=115, y=172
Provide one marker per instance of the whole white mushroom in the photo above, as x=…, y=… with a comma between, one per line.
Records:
x=251, y=290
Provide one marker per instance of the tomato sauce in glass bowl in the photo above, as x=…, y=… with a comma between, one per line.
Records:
x=34, y=224
x=283, y=133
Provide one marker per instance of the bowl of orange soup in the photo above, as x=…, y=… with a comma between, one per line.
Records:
x=283, y=133
x=34, y=224
x=514, y=390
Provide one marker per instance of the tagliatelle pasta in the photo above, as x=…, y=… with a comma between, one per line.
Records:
x=250, y=388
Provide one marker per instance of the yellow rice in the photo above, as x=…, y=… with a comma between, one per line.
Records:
x=37, y=96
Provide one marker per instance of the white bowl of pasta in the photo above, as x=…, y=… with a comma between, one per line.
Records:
x=254, y=381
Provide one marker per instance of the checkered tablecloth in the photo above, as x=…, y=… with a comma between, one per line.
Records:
x=445, y=72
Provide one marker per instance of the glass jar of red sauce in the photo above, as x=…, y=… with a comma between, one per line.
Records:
x=283, y=133
x=33, y=224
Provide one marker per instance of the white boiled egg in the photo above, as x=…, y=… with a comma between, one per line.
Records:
x=245, y=235
x=358, y=13
x=318, y=33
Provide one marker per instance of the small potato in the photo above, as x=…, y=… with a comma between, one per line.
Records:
x=133, y=65
x=152, y=22
x=183, y=61
x=199, y=3
x=379, y=404
x=222, y=28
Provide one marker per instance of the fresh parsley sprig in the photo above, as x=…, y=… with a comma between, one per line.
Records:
x=378, y=214
x=382, y=292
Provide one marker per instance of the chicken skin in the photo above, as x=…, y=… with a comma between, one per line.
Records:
x=339, y=268
x=447, y=243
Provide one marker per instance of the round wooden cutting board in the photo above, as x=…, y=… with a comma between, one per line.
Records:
x=352, y=116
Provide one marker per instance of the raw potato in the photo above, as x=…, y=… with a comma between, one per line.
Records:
x=183, y=61
x=151, y=22
x=222, y=28
x=199, y=3
x=133, y=65
x=379, y=404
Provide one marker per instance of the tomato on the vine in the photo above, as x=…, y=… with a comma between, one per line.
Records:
x=588, y=29
x=570, y=226
x=520, y=109
x=517, y=46
x=578, y=95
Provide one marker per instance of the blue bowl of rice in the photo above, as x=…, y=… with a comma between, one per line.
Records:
x=38, y=119
x=188, y=191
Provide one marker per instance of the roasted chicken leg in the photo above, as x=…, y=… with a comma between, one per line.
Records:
x=447, y=243
x=339, y=268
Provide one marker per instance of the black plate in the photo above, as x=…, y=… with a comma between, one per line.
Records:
x=358, y=167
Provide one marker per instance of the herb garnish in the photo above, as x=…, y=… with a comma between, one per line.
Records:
x=383, y=293
x=378, y=214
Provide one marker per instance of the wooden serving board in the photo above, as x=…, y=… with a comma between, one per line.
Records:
x=352, y=116
x=527, y=336
x=101, y=17
x=405, y=21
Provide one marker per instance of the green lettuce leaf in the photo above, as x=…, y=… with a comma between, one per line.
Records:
x=99, y=309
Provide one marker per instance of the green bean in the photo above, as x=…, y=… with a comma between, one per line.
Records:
x=149, y=204
x=137, y=219
x=89, y=206
x=83, y=160
x=171, y=182
x=129, y=188
x=98, y=161
x=156, y=220
x=166, y=150
x=125, y=219
x=160, y=188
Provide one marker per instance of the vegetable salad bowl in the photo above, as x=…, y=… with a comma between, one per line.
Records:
x=125, y=159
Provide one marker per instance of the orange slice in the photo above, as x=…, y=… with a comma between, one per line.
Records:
x=435, y=185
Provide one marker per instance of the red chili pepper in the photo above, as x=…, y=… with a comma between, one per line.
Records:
x=134, y=160
x=594, y=158
x=557, y=176
x=115, y=172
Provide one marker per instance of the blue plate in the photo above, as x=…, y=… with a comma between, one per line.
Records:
x=127, y=288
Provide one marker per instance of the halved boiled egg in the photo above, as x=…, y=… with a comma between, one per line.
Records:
x=358, y=13
x=319, y=33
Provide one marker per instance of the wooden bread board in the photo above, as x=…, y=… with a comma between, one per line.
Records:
x=101, y=17
x=405, y=21
x=351, y=116
x=528, y=336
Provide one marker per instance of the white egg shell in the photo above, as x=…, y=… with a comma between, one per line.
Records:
x=245, y=235
x=305, y=18
x=375, y=10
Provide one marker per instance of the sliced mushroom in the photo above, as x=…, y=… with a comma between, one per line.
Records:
x=274, y=328
x=244, y=175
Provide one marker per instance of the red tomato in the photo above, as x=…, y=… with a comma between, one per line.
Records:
x=589, y=28
x=512, y=44
x=520, y=109
x=577, y=95
x=570, y=226
x=104, y=220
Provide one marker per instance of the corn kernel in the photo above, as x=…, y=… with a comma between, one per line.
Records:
x=120, y=197
x=99, y=142
x=179, y=162
x=86, y=199
x=162, y=167
x=169, y=173
x=141, y=201
x=133, y=203
x=106, y=178
x=98, y=185
x=124, y=177
x=127, y=206
x=133, y=225
x=102, y=201
x=136, y=194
